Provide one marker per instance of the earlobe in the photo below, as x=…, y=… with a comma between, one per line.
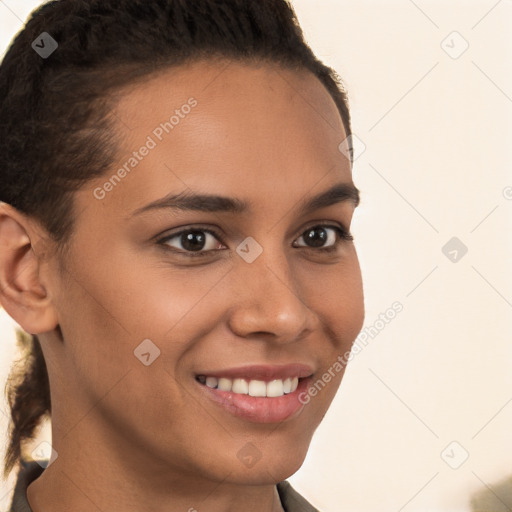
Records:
x=22, y=255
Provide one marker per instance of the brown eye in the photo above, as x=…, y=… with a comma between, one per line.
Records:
x=193, y=241
x=319, y=236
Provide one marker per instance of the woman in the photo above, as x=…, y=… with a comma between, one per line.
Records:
x=176, y=203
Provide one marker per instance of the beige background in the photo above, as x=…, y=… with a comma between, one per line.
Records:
x=437, y=128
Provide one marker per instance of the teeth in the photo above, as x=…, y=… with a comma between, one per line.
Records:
x=275, y=388
x=225, y=384
x=258, y=388
x=211, y=382
x=240, y=386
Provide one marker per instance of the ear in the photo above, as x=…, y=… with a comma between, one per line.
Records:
x=23, y=255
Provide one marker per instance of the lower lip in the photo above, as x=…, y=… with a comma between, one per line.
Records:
x=259, y=409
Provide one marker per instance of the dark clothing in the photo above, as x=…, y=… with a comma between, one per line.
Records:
x=291, y=500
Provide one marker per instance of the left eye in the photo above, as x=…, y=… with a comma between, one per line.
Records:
x=318, y=235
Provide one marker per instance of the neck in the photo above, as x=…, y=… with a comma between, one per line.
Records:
x=86, y=478
x=62, y=489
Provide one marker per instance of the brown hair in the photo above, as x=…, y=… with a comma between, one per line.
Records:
x=55, y=131
x=28, y=395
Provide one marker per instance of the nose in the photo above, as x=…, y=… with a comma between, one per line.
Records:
x=269, y=301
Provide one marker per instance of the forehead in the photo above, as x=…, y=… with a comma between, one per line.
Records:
x=226, y=127
x=217, y=81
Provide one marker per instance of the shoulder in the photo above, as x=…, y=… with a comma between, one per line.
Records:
x=291, y=500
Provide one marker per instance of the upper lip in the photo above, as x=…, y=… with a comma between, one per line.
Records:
x=262, y=372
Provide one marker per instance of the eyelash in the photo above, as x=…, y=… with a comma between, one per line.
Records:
x=343, y=236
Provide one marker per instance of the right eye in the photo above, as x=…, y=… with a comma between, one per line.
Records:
x=191, y=242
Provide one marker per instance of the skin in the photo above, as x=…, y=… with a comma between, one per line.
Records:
x=138, y=438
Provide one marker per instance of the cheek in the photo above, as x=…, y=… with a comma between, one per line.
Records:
x=335, y=293
x=148, y=300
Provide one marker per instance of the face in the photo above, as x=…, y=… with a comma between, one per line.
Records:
x=244, y=290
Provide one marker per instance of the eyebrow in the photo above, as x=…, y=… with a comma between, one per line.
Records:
x=341, y=192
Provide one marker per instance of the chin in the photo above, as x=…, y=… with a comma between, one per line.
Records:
x=271, y=468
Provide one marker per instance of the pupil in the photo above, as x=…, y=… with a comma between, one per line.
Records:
x=193, y=240
x=317, y=240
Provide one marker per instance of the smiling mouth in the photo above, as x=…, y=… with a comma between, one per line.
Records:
x=252, y=387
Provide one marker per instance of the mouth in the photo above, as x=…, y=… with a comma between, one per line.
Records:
x=252, y=387
x=260, y=394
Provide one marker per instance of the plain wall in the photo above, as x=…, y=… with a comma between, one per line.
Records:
x=434, y=383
